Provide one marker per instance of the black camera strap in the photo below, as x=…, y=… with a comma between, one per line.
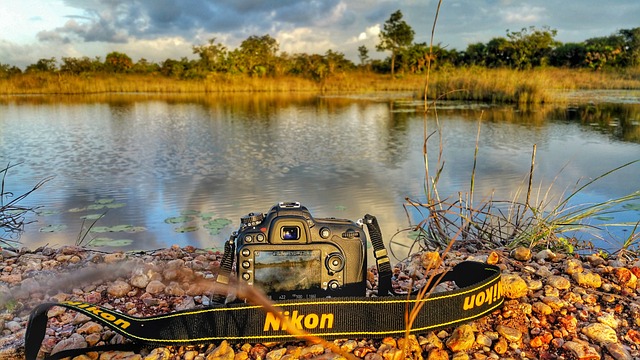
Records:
x=479, y=293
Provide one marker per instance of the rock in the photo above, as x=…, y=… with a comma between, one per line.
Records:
x=521, y=253
x=461, y=339
x=222, y=352
x=559, y=282
x=140, y=281
x=276, y=354
x=546, y=255
x=618, y=351
x=118, y=289
x=541, y=308
x=430, y=259
x=513, y=286
x=609, y=320
x=155, y=287
x=89, y=328
x=75, y=341
x=438, y=354
x=573, y=266
x=600, y=332
x=588, y=279
x=159, y=354
x=509, y=333
x=581, y=350
x=115, y=257
x=626, y=277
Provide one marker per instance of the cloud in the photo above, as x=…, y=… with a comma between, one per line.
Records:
x=371, y=32
x=523, y=14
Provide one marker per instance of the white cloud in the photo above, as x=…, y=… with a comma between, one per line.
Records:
x=304, y=40
x=371, y=32
x=524, y=14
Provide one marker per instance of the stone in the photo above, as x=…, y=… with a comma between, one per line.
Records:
x=159, y=354
x=155, y=287
x=461, y=339
x=588, y=279
x=559, y=282
x=118, y=288
x=222, y=352
x=600, y=333
x=581, y=350
x=140, y=281
x=573, y=266
x=521, y=253
x=276, y=354
x=513, y=286
x=75, y=341
x=509, y=333
x=541, y=308
x=618, y=351
x=438, y=354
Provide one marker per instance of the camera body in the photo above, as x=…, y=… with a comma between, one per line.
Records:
x=291, y=255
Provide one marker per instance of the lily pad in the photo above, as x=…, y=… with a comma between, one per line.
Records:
x=341, y=207
x=104, y=201
x=105, y=241
x=178, y=219
x=75, y=210
x=47, y=212
x=604, y=218
x=117, y=228
x=214, y=226
x=185, y=229
x=53, y=228
x=632, y=206
x=207, y=215
x=92, y=216
x=103, y=206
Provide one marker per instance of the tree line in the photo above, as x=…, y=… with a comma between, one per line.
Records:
x=259, y=56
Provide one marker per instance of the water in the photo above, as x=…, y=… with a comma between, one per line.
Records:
x=183, y=169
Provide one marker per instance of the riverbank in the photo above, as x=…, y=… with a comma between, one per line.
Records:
x=533, y=86
x=557, y=306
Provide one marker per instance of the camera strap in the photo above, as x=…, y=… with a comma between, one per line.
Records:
x=479, y=293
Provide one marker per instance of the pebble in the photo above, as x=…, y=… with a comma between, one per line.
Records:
x=557, y=306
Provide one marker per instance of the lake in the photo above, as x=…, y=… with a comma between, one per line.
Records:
x=147, y=171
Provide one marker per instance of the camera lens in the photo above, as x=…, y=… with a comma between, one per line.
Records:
x=290, y=233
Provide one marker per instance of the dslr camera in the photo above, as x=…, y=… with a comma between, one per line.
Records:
x=291, y=255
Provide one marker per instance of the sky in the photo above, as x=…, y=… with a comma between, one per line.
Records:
x=160, y=29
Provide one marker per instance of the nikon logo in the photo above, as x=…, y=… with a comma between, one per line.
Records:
x=488, y=296
x=115, y=321
x=300, y=321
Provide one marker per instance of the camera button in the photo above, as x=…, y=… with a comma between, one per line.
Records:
x=246, y=264
x=333, y=285
x=246, y=252
x=260, y=237
x=248, y=238
x=325, y=233
x=334, y=262
x=246, y=276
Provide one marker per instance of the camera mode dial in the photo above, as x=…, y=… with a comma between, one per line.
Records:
x=252, y=219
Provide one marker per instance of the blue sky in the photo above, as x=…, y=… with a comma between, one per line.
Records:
x=161, y=29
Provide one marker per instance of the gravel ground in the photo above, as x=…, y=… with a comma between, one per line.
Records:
x=557, y=306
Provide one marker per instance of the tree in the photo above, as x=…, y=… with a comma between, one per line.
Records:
x=256, y=54
x=44, y=65
x=213, y=56
x=568, y=55
x=531, y=47
x=631, y=39
x=396, y=36
x=363, y=54
x=118, y=62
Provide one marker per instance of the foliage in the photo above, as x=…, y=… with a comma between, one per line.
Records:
x=396, y=37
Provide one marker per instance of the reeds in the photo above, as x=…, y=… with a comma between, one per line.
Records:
x=502, y=85
x=12, y=214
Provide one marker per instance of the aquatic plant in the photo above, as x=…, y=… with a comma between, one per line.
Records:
x=12, y=213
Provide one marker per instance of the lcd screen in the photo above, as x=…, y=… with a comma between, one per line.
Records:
x=286, y=270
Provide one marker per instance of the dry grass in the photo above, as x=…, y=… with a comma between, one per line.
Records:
x=476, y=84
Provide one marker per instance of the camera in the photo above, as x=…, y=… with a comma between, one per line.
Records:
x=291, y=255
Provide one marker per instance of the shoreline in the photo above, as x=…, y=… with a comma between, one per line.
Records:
x=556, y=305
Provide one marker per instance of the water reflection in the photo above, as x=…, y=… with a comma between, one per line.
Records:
x=219, y=157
